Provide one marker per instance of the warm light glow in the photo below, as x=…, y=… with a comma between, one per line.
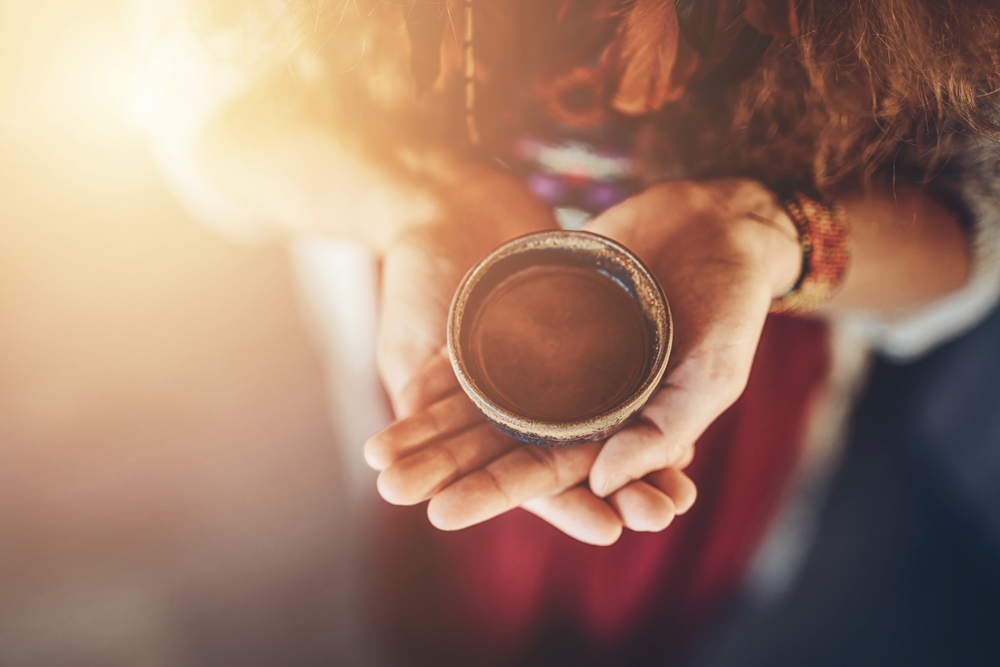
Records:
x=80, y=63
x=165, y=450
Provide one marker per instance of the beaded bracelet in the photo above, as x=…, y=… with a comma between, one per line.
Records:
x=825, y=240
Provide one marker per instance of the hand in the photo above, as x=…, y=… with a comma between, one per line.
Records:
x=472, y=472
x=421, y=271
x=722, y=253
x=478, y=208
x=720, y=262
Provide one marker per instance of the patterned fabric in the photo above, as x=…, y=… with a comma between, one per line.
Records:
x=825, y=239
x=578, y=179
x=576, y=155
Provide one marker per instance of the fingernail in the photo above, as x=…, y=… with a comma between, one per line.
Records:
x=615, y=483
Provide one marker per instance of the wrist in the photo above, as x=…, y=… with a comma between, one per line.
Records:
x=768, y=232
x=784, y=250
x=473, y=207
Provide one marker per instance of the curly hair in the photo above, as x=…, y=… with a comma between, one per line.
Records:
x=865, y=88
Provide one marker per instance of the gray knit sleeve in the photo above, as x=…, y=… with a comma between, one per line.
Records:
x=974, y=181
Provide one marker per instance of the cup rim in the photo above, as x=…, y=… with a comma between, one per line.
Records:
x=651, y=299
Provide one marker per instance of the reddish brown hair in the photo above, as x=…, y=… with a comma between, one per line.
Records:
x=865, y=87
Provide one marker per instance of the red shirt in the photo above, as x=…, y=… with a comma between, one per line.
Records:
x=515, y=591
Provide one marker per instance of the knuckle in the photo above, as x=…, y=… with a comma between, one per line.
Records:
x=433, y=420
x=669, y=453
x=451, y=461
x=721, y=373
x=545, y=459
x=497, y=482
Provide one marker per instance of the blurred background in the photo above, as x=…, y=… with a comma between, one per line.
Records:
x=168, y=475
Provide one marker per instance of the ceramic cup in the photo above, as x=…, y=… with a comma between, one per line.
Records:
x=583, y=251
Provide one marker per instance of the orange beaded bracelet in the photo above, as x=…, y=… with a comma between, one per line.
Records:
x=825, y=239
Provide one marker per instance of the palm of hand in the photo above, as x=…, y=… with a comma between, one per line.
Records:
x=419, y=275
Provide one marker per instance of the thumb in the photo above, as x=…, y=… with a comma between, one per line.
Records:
x=433, y=380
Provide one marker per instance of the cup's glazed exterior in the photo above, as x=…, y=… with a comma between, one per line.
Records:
x=586, y=249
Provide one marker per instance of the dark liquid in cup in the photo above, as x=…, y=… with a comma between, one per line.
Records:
x=558, y=343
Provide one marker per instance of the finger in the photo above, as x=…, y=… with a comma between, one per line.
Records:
x=677, y=485
x=448, y=416
x=508, y=482
x=696, y=393
x=642, y=507
x=580, y=514
x=418, y=476
x=434, y=379
x=686, y=459
x=639, y=447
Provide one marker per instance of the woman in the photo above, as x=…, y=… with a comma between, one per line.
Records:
x=739, y=128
